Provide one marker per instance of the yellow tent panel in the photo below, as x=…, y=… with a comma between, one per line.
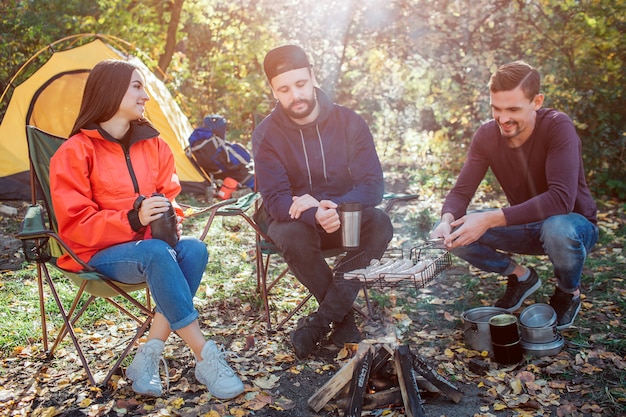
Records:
x=50, y=99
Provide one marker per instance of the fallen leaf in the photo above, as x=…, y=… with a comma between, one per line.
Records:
x=499, y=407
x=516, y=386
x=259, y=401
x=177, y=403
x=85, y=403
x=266, y=383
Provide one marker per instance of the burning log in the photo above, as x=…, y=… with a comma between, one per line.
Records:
x=371, y=370
x=408, y=384
x=360, y=378
x=339, y=380
x=448, y=389
x=381, y=399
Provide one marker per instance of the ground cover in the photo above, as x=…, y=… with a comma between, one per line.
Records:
x=587, y=378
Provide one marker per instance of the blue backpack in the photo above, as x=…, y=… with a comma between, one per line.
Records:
x=217, y=158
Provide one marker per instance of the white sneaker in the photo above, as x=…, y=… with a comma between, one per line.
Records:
x=214, y=372
x=144, y=370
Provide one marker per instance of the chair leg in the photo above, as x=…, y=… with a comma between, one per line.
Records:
x=70, y=328
x=293, y=312
x=72, y=315
x=42, y=308
x=140, y=332
x=262, y=271
x=137, y=304
x=266, y=287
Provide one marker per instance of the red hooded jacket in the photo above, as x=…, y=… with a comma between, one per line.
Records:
x=94, y=182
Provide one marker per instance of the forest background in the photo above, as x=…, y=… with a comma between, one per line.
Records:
x=415, y=69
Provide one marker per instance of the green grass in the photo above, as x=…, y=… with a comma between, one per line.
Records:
x=19, y=310
x=20, y=319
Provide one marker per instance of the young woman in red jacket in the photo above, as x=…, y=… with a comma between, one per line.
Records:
x=103, y=181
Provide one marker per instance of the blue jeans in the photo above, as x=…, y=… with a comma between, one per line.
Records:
x=173, y=275
x=301, y=246
x=566, y=239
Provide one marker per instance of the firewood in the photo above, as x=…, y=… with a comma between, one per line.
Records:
x=408, y=385
x=358, y=385
x=446, y=387
x=376, y=400
x=339, y=380
x=479, y=367
x=380, y=359
x=382, y=384
x=425, y=385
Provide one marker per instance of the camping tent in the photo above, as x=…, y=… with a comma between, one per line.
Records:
x=50, y=99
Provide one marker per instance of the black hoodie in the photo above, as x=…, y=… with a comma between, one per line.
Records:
x=332, y=158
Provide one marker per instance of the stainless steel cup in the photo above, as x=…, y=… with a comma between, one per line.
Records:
x=350, y=218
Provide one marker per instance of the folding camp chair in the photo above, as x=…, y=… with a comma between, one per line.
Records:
x=264, y=248
x=266, y=251
x=43, y=245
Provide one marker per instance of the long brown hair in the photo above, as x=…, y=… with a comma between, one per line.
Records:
x=105, y=88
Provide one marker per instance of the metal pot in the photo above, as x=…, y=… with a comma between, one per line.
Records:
x=538, y=315
x=543, y=349
x=539, y=334
x=476, y=327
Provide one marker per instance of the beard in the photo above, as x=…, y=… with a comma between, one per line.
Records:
x=310, y=106
x=509, y=130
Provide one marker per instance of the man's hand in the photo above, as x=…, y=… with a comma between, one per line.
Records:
x=471, y=227
x=301, y=204
x=443, y=229
x=327, y=216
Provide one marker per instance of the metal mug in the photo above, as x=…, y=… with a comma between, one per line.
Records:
x=505, y=339
x=350, y=218
x=165, y=227
x=503, y=329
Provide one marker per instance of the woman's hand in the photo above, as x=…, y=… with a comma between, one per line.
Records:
x=152, y=208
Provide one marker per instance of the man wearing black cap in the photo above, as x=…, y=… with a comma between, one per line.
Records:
x=311, y=155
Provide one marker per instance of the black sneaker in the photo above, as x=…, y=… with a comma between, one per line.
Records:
x=517, y=292
x=566, y=306
x=310, y=332
x=345, y=331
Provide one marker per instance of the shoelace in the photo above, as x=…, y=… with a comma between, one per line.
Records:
x=162, y=360
x=223, y=368
x=510, y=289
x=167, y=374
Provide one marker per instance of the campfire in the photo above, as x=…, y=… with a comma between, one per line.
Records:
x=383, y=372
x=380, y=375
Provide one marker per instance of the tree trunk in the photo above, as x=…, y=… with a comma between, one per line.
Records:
x=170, y=42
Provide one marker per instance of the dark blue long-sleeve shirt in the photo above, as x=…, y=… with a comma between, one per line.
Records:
x=332, y=158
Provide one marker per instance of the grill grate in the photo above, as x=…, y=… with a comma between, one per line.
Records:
x=393, y=269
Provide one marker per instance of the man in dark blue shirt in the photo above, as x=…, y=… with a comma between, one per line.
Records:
x=310, y=156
